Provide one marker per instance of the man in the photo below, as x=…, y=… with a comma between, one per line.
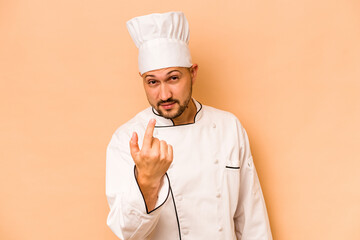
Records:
x=191, y=175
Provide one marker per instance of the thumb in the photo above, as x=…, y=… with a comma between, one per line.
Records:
x=134, y=147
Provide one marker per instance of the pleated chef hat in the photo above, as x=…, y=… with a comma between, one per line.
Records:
x=162, y=39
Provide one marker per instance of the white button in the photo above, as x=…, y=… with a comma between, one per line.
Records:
x=180, y=198
x=185, y=231
x=214, y=125
x=220, y=228
x=218, y=195
x=216, y=161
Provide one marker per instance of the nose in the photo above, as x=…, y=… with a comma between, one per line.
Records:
x=165, y=92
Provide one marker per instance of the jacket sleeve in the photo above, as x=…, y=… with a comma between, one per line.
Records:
x=128, y=217
x=251, y=219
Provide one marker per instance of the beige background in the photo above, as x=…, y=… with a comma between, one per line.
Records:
x=290, y=71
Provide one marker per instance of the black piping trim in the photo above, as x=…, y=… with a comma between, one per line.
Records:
x=233, y=167
x=147, y=211
x=173, y=121
x=197, y=111
x=155, y=112
x=177, y=217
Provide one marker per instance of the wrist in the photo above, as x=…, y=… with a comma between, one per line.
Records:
x=148, y=182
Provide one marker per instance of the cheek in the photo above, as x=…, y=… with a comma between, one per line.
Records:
x=185, y=89
x=151, y=93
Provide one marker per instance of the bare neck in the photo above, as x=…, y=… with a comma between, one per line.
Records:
x=188, y=116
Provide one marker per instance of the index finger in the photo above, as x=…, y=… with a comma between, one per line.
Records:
x=148, y=136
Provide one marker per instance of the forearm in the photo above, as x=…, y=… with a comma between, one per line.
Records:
x=128, y=217
x=150, y=191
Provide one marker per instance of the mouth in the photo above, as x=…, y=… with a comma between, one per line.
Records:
x=167, y=105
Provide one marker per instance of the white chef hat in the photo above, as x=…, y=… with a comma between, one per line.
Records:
x=162, y=39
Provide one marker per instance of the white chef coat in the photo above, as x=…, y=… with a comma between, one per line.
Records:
x=210, y=191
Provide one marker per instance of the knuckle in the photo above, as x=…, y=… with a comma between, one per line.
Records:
x=162, y=157
x=155, y=155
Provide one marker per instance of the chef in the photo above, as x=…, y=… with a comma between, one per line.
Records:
x=180, y=169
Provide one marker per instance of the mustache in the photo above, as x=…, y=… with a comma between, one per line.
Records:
x=170, y=100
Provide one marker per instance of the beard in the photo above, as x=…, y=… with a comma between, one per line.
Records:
x=182, y=106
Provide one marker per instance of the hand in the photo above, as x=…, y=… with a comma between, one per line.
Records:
x=154, y=158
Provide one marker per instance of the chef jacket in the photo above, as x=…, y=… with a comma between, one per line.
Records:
x=210, y=191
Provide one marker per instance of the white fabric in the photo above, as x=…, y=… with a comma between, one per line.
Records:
x=162, y=40
x=215, y=186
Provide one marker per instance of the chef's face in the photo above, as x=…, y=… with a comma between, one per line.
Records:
x=168, y=90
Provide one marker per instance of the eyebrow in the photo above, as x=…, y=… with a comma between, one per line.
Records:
x=173, y=71
x=166, y=74
x=149, y=76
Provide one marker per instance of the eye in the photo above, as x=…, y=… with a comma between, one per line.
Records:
x=152, y=82
x=174, y=78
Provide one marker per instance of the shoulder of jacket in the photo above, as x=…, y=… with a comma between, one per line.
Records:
x=219, y=113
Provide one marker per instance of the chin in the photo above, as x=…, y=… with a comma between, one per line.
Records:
x=170, y=114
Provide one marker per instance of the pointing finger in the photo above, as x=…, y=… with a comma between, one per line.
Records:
x=148, y=137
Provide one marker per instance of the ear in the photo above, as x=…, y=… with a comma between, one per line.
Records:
x=193, y=71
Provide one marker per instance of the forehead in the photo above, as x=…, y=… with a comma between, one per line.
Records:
x=163, y=72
